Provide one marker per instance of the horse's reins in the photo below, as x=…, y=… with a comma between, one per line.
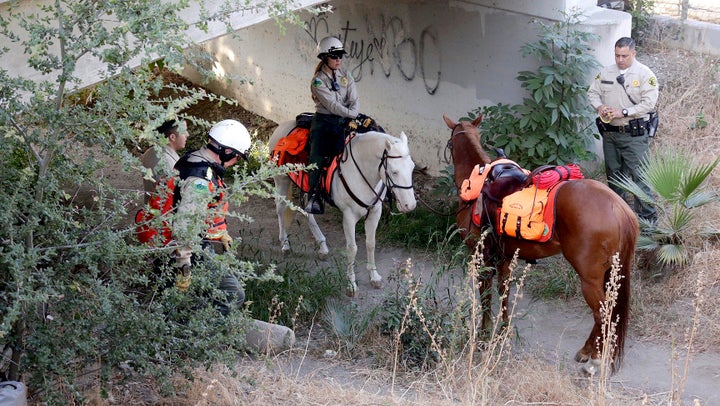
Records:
x=448, y=147
x=387, y=183
x=468, y=205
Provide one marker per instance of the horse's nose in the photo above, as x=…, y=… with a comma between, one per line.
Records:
x=407, y=206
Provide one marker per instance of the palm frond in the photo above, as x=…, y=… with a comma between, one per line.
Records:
x=630, y=186
x=663, y=174
x=681, y=219
x=696, y=175
x=701, y=198
x=672, y=254
x=646, y=243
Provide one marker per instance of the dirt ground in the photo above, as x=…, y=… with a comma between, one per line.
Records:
x=556, y=329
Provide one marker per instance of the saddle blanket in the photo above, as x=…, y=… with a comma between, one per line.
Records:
x=290, y=149
x=528, y=214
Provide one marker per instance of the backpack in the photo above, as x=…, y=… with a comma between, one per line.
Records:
x=163, y=201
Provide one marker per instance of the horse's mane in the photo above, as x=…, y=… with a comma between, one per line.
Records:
x=372, y=135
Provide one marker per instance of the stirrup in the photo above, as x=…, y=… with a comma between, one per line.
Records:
x=315, y=204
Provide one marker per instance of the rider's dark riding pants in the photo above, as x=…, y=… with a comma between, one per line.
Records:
x=327, y=138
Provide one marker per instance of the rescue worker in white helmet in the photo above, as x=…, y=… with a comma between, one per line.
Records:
x=336, y=103
x=202, y=196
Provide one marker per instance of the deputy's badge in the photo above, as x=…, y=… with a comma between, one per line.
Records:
x=635, y=83
x=344, y=81
x=652, y=81
x=317, y=82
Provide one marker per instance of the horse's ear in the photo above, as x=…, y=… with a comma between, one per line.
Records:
x=451, y=124
x=403, y=137
x=478, y=120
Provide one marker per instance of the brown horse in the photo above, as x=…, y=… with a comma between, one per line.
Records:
x=592, y=224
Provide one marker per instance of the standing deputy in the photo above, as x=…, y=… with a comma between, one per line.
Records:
x=624, y=95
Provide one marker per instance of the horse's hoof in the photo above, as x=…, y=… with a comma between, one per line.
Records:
x=352, y=290
x=285, y=248
x=323, y=251
x=581, y=357
x=590, y=368
x=376, y=284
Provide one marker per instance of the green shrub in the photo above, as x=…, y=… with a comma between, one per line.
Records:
x=554, y=124
x=676, y=180
x=76, y=291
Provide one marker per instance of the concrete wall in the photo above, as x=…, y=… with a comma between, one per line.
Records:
x=413, y=60
x=696, y=36
x=89, y=70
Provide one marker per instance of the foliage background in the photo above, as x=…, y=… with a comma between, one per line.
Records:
x=76, y=293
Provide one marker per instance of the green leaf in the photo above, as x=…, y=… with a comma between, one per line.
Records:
x=673, y=255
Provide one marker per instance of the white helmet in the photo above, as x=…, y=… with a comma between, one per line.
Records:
x=231, y=134
x=330, y=45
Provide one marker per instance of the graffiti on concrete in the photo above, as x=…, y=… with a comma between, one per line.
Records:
x=387, y=46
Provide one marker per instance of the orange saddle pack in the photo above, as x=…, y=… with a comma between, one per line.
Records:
x=523, y=214
x=290, y=149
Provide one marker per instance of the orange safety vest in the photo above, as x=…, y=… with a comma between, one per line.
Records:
x=165, y=197
x=217, y=226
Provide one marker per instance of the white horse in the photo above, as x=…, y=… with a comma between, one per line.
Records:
x=371, y=163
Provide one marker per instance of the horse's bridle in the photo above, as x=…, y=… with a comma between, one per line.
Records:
x=449, y=145
x=387, y=182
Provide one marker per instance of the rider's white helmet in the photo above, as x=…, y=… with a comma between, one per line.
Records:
x=231, y=134
x=329, y=45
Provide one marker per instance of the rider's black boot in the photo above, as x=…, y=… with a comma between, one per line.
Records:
x=315, y=204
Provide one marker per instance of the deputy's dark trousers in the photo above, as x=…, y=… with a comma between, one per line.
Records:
x=624, y=155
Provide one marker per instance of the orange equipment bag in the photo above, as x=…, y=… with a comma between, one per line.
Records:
x=291, y=148
x=162, y=201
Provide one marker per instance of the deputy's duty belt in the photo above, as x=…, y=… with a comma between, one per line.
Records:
x=621, y=128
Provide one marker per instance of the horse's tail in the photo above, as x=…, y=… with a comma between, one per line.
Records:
x=628, y=237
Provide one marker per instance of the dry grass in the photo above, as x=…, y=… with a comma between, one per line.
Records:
x=689, y=108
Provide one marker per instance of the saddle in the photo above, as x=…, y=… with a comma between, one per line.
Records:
x=293, y=149
x=524, y=211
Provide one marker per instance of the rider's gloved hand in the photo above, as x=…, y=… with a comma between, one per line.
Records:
x=364, y=120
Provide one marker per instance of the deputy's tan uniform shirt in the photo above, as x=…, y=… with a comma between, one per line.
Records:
x=343, y=102
x=640, y=83
x=193, y=210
